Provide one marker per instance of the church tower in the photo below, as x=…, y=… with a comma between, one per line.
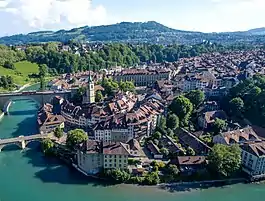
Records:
x=90, y=91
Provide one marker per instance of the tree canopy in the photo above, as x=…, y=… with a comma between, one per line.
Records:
x=236, y=106
x=226, y=160
x=219, y=125
x=196, y=97
x=252, y=92
x=76, y=137
x=58, y=132
x=183, y=108
x=99, y=96
x=172, y=121
x=47, y=146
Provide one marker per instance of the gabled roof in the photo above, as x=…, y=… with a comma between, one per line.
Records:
x=255, y=148
x=240, y=136
x=191, y=160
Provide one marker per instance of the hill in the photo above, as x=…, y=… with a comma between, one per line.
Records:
x=21, y=74
x=138, y=32
x=258, y=31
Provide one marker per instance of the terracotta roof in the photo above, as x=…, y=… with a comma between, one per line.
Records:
x=257, y=149
x=93, y=147
x=191, y=160
x=241, y=135
x=115, y=149
x=46, y=118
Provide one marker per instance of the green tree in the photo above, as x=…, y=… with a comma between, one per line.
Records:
x=219, y=125
x=151, y=178
x=226, y=160
x=76, y=137
x=42, y=84
x=173, y=170
x=127, y=86
x=99, y=97
x=196, y=97
x=43, y=70
x=172, y=121
x=190, y=152
x=119, y=176
x=58, y=132
x=236, y=106
x=170, y=133
x=47, y=146
x=182, y=107
x=9, y=65
x=162, y=122
x=110, y=86
x=157, y=135
x=164, y=151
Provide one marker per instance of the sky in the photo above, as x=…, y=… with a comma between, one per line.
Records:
x=23, y=16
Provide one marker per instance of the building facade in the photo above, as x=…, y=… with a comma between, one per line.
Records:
x=253, y=158
x=142, y=77
x=95, y=156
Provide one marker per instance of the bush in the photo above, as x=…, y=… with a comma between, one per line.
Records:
x=119, y=176
x=9, y=65
x=151, y=179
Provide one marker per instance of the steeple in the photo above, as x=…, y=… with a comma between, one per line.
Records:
x=90, y=90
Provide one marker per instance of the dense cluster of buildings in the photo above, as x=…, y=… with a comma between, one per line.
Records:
x=116, y=125
x=216, y=73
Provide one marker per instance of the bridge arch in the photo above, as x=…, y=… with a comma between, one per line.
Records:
x=31, y=142
x=12, y=145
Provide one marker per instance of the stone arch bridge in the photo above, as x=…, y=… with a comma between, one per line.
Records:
x=23, y=141
x=39, y=97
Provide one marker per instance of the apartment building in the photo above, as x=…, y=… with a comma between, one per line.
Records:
x=253, y=158
x=142, y=77
x=95, y=156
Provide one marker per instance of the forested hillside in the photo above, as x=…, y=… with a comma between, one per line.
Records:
x=127, y=32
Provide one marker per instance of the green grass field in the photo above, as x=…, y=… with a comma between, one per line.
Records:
x=22, y=72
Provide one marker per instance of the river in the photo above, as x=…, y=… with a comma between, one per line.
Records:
x=28, y=176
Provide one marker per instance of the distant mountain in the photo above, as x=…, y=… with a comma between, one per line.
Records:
x=258, y=31
x=138, y=32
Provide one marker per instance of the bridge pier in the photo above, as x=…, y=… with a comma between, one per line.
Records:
x=23, y=144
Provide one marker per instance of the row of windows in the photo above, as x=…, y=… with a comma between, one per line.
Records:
x=114, y=165
x=115, y=160
x=113, y=156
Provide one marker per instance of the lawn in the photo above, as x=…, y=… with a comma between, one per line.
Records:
x=22, y=72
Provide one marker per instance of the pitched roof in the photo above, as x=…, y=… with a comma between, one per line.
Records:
x=192, y=141
x=256, y=148
x=111, y=148
x=191, y=160
x=241, y=135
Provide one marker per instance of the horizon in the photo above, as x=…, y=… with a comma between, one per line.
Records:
x=207, y=16
x=47, y=30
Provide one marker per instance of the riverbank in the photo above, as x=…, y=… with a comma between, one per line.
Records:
x=200, y=185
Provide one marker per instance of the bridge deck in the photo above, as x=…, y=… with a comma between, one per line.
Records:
x=21, y=138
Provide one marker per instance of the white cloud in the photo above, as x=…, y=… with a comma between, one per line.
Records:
x=50, y=14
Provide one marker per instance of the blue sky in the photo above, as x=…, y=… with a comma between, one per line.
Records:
x=22, y=16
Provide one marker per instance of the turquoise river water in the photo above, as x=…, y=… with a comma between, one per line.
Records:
x=28, y=176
